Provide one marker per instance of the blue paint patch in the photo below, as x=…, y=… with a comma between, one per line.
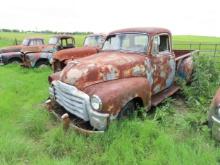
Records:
x=149, y=71
x=171, y=75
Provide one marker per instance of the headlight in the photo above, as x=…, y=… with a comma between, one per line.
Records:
x=96, y=102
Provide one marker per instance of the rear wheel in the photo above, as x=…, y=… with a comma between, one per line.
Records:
x=42, y=64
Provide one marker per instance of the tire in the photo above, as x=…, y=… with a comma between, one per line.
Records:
x=127, y=111
x=42, y=64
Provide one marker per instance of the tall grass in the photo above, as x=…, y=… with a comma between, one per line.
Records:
x=173, y=133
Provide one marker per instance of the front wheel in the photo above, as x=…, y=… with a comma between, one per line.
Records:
x=127, y=111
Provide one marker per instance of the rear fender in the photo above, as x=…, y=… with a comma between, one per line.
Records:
x=116, y=94
x=185, y=68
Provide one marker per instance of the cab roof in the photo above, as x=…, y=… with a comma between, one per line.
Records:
x=96, y=34
x=34, y=38
x=63, y=36
x=148, y=30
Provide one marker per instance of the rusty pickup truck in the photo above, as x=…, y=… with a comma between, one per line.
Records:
x=214, y=116
x=136, y=67
x=92, y=44
x=12, y=54
x=42, y=56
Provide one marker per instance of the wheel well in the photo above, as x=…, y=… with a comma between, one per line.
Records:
x=14, y=59
x=135, y=103
x=42, y=60
x=138, y=100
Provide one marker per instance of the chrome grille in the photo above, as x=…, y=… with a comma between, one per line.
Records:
x=69, y=97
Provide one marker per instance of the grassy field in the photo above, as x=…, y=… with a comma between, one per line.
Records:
x=173, y=133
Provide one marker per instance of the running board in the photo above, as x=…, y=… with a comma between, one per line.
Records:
x=158, y=98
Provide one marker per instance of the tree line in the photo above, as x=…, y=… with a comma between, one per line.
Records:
x=44, y=31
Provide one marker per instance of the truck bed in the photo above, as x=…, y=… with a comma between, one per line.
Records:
x=179, y=54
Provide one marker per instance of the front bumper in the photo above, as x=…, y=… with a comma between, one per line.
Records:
x=77, y=103
x=215, y=128
x=75, y=124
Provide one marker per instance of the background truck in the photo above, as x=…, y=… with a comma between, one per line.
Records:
x=92, y=44
x=12, y=54
x=41, y=56
x=135, y=68
x=214, y=116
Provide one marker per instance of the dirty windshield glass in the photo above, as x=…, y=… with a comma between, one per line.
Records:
x=93, y=41
x=53, y=41
x=134, y=42
x=25, y=42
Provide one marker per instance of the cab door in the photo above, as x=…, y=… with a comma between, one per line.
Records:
x=163, y=63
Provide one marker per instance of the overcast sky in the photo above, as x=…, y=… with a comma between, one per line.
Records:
x=197, y=17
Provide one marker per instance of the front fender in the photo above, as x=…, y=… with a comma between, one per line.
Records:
x=116, y=94
x=32, y=58
x=7, y=56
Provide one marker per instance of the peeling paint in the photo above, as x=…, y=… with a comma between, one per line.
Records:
x=117, y=77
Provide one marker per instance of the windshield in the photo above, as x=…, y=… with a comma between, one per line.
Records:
x=25, y=42
x=53, y=41
x=93, y=41
x=134, y=42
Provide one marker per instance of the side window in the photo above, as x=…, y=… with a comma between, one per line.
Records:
x=39, y=42
x=64, y=43
x=32, y=43
x=161, y=44
x=69, y=41
x=125, y=42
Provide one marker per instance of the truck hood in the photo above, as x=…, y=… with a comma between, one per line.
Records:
x=73, y=53
x=104, y=66
x=15, y=48
x=39, y=48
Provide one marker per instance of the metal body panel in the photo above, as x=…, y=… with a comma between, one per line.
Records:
x=118, y=77
x=77, y=103
x=61, y=58
x=33, y=55
x=14, y=52
x=214, y=116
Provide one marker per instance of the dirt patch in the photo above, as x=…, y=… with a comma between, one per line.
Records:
x=179, y=103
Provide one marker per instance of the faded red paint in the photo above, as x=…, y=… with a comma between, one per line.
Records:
x=118, y=77
x=115, y=96
x=74, y=53
x=15, y=48
x=61, y=58
x=37, y=48
x=45, y=52
x=18, y=48
x=102, y=67
x=149, y=30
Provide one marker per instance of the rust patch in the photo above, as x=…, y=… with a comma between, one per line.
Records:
x=216, y=99
x=101, y=67
x=115, y=96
